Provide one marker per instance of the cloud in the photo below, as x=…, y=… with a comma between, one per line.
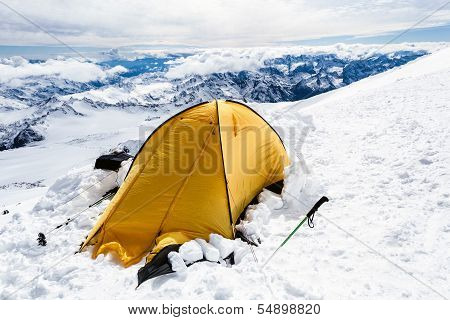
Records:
x=224, y=60
x=208, y=23
x=208, y=61
x=15, y=69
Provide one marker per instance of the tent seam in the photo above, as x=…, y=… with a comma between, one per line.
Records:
x=224, y=170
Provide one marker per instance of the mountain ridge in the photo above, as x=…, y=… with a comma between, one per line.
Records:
x=144, y=83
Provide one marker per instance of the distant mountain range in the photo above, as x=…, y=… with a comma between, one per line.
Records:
x=26, y=104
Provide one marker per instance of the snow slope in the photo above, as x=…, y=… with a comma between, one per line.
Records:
x=380, y=149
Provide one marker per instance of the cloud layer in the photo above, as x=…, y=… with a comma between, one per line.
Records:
x=208, y=61
x=13, y=70
x=207, y=23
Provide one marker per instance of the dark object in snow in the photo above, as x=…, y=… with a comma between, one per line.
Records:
x=158, y=266
x=5, y=212
x=41, y=239
x=111, y=161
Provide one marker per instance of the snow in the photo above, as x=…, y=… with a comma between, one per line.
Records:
x=114, y=94
x=79, y=186
x=197, y=249
x=378, y=148
x=12, y=110
x=191, y=251
x=123, y=171
x=209, y=252
x=176, y=261
x=271, y=199
x=255, y=217
x=225, y=246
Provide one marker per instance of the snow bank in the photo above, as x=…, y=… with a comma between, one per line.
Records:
x=80, y=187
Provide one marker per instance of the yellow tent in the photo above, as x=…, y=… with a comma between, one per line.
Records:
x=193, y=176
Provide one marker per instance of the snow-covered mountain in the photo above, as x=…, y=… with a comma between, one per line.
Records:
x=31, y=91
x=378, y=148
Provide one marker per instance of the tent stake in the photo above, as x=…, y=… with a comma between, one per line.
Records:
x=309, y=216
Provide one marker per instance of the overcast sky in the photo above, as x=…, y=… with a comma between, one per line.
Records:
x=208, y=22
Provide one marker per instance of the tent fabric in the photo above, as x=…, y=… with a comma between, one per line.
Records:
x=193, y=176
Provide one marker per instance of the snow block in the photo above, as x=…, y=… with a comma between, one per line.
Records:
x=210, y=252
x=241, y=250
x=191, y=251
x=225, y=246
x=176, y=261
x=250, y=230
x=259, y=213
x=271, y=199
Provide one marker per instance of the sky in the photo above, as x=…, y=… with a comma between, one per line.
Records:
x=218, y=23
